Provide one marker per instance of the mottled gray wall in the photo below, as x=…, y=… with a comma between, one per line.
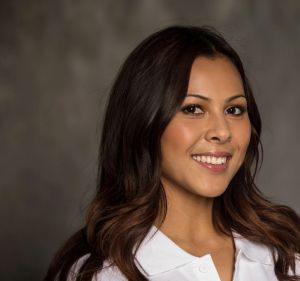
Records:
x=57, y=63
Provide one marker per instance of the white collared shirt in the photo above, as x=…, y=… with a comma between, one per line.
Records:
x=160, y=259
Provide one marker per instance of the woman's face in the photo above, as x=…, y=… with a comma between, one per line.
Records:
x=205, y=143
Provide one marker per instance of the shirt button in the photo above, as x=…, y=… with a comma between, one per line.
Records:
x=203, y=268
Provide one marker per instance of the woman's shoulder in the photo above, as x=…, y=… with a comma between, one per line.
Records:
x=109, y=272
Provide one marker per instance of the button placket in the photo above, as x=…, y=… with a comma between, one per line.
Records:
x=203, y=268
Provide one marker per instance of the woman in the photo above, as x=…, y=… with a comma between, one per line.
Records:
x=176, y=198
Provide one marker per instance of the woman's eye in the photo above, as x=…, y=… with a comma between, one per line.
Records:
x=235, y=110
x=192, y=109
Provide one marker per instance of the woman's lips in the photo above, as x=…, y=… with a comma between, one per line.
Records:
x=214, y=167
x=216, y=164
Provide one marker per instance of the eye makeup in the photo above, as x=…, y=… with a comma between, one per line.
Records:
x=195, y=109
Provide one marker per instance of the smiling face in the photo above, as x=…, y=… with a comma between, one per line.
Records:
x=205, y=143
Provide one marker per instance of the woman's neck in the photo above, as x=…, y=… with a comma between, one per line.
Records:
x=188, y=217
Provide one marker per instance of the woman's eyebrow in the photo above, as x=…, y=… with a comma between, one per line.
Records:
x=209, y=99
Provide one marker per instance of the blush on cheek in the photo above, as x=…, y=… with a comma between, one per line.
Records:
x=176, y=135
x=245, y=133
x=176, y=129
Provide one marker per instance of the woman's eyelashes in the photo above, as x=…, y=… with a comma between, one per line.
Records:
x=192, y=109
x=236, y=110
x=196, y=109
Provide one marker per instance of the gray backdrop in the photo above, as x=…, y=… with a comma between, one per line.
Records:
x=57, y=63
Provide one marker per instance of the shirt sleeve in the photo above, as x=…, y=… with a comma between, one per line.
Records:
x=108, y=273
x=298, y=264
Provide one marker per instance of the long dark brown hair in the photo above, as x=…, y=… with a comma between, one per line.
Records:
x=148, y=91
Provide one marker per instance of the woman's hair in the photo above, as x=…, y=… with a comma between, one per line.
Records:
x=148, y=91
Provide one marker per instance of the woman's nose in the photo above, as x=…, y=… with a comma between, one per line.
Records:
x=218, y=130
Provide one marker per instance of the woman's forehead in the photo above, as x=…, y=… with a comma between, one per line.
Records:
x=215, y=78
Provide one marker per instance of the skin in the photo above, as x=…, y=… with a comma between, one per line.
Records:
x=213, y=122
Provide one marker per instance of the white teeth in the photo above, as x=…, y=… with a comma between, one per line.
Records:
x=210, y=159
x=214, y=160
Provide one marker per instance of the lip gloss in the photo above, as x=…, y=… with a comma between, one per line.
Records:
x=215, y=167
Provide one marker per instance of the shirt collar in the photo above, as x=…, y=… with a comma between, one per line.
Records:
x=158, y=253
x=254, y=251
